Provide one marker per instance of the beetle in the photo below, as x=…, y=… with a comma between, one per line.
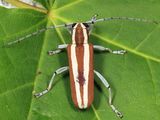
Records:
x=80, y=56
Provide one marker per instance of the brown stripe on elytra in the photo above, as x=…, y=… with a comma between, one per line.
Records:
x=79, y=37
x=91, y=77
x=80, y=62
x=72, y=83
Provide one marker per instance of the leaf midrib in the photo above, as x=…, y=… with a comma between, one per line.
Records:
x=40, y=58
x=141, y=54
x=148, y=57
x=38, y=66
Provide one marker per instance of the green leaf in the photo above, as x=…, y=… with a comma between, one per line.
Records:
x=46, y=3
x=26, y=68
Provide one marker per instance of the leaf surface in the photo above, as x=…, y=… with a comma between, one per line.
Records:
x=26, y=68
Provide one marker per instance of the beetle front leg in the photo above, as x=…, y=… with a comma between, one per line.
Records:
x=106, y=84
x=103, y=49
x=60, y=49
x=57, y=72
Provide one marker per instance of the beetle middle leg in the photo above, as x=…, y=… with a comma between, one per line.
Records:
x=58, y=50
x=57, y=72
x=103, y=49
x=106, y=84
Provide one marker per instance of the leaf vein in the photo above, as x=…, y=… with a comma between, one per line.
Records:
x=3, y=29
x=38, y=66
x=151, y=72
x=59, y=34
x=146, y=38
x=127, y=48
x=68, y=5
x=25, y=31
x=14, y=89
x=120, y=29
x=97, y=116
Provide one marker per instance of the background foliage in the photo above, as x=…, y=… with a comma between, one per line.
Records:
x=26, y=68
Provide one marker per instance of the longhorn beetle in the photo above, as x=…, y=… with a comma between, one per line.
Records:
x=80, y=56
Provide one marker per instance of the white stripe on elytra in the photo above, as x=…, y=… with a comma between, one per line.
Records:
x=75, y=74
x=84, y=34
x=73, y=34
x=86, y=74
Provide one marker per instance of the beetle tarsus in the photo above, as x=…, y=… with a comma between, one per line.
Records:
x=37, y=95
x=119, y=52
x=123, y=51
x=119, y=114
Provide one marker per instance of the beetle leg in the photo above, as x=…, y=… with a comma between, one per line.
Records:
x=60, y=49
x=106, y=84
x=103, y=49
x=57, y=72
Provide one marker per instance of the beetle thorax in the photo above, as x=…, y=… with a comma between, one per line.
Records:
x=79, y=34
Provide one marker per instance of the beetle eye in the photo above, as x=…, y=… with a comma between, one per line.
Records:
x=73, y=24
x=86, y=25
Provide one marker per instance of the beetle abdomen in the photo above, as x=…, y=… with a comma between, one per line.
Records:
x=81, y=74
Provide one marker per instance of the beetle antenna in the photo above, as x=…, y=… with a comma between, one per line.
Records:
x=94, y=19
x=34, y=33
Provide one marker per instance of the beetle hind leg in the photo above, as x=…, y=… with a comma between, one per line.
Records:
x=106, y=84
x=57, y=72
x=119, y=114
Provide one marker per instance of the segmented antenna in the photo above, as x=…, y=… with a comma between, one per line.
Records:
x=94, y=19
x=34, y=33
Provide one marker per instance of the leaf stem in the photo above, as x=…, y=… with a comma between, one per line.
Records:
x=21, y=4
